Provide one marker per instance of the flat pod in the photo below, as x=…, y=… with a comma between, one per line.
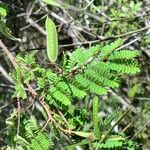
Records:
x=95, y=116
x=51, y=40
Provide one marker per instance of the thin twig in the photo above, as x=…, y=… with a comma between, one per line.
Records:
x=9, y=55
x=80, y=13
x=102, y=39
x=27, y=26
x=18, y=113
x=46, y=107
x=5, y=74
x=146, y=124
x=36, y=26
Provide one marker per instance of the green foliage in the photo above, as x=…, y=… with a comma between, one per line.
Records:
x=3, y=10
x=123, y=54
x=80, y=56
x=87, y=71
x=105, y=124
x=112, y=144
x=108, y=49
x=117, y=142
x=4, y=30
x=90, y=75
x=40, y=142
x=71, y=108
x=134, y=90
x=31, y=138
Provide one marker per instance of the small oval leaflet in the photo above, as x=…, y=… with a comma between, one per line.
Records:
x=51, y=40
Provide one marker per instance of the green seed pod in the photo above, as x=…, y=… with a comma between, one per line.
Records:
x=95, y=116
x=51, y=40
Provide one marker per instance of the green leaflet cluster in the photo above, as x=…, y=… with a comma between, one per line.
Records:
x=86, y=71
x=97, y=69
x=111, y=145
x=105, y=124
x=32, y=138
x=40, y=142
x=118, y=143
x=92, y=70
x=108, y=49
x=80, y=57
